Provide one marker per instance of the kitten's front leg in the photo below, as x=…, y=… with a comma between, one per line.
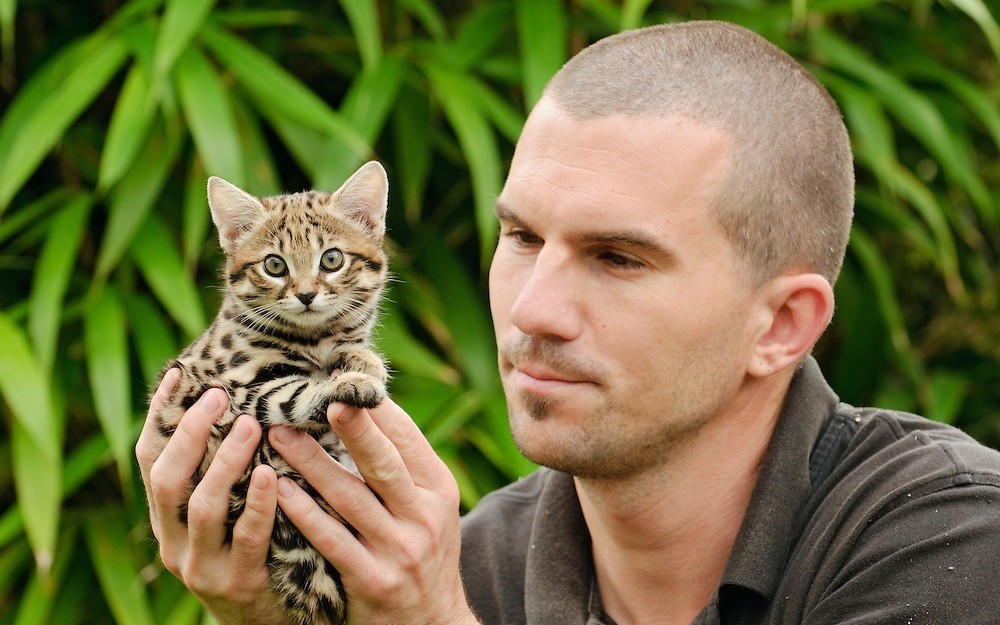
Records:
x=362, y=379
x=302, y=402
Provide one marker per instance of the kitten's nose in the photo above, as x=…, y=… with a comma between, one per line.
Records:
x=306, y=298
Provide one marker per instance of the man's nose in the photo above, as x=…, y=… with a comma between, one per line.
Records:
x=548, y=303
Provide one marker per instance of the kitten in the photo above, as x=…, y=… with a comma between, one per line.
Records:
x=303, y=276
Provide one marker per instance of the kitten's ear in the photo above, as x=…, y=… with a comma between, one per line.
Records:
x=365, y=196
x=234, y=211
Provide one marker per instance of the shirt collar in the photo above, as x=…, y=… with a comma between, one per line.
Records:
x=770, y=524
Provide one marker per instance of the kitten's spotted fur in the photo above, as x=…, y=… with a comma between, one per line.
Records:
x=303, y=276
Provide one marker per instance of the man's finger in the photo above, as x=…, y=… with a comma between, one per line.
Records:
x=208, y=507
x=422, y=462
x=343, y=490
x=151, y=443
x=327, y=534
x=377, y=459
x=170, y=475
x=252, y=532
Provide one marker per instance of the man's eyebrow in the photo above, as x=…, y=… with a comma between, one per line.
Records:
x=503, y=213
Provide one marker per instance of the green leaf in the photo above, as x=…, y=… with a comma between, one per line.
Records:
x=33, y=213
x=429, y=16
x=50, y=102
x=40, y=594
x=411, y=136
x=133, y=198
x=913, y=110
x=36, y=440
x=210, y=116
x=128, y=128
x=366, y=107
x=880, y=276
x=160, y=264
x=542, y=34
x=980, y=14
x=261, y=170
x=52, y=274
x=116, y=571
x=108, y=369
x=278, y=92
x=404, y=351
x=479, y=148
x=632, y=12
x=197, y=216
x=151, y=333
x=182, y=19
x=948, y=392
x=81, y=465
x=363, y=16
x=8, y=10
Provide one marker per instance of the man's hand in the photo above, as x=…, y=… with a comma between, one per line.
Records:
x=231, y=580
x=403, y=565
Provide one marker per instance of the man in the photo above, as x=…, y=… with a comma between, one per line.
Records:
x=675, y=214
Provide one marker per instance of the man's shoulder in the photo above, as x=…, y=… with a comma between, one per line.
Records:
x=908, y=516
x=905, y=449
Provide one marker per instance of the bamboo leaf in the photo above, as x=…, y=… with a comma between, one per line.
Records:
x=52, y=274
x=880, y=276
x=38, y=601
x=279, y=92
x=133, y=198
x=81, y=465
x=45, y=108
x=913, y=110
x=261, y=170
x=980, y=14
x=108, y=369
x=210, y=117
x=182, y=19
x=154, y=341
x=479, y=148
x=363, y=16
x=411, y=136
x=405, y=352
x=8, y=10
x=36, y=440
x=32, y=213
x=429, y=16
x=118, y=575
x=128, y=128
x=197, y=217
x=160, y=264
x=632, y=12
x=542, y=34
x=366, y=107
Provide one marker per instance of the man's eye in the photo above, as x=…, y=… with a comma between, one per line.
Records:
x=621, y=261
x=524, y=238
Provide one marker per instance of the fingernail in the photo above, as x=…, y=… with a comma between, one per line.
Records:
x=285, y=487
x=285, y=436
x=211, y=400
x=343, y=414
x=241, y=431
x=259, y=480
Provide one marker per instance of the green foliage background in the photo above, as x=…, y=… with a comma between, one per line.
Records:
x=114, y=113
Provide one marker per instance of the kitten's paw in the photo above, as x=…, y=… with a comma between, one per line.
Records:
x=358, y=389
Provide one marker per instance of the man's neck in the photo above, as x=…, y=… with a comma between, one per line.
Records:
x=661, y=540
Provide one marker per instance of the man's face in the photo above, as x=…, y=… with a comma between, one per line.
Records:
x=622, y=328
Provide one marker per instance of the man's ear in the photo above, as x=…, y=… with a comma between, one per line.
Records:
x=797, y=310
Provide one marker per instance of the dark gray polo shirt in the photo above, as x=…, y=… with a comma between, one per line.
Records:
x=860, y=516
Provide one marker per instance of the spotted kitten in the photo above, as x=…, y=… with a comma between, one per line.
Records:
x=303, y=276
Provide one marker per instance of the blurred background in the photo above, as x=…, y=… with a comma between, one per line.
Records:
x=112, y=115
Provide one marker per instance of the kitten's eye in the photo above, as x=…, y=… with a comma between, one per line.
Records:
x=275, y=266
x=332, y=260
